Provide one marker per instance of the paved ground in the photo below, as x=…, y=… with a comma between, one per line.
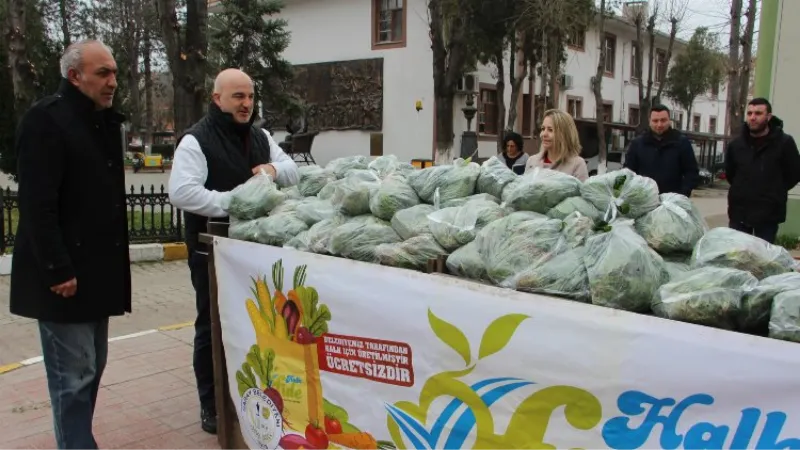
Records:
x=147, y=399
x=162, y=295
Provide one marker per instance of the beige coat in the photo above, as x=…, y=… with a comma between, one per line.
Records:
x=574, y=166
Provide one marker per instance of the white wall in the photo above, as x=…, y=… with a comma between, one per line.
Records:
x=339, y=30
x=785, y=95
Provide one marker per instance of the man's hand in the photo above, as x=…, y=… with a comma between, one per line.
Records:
x=268, y=168
x=67, y=289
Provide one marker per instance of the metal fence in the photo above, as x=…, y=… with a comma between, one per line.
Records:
x=151, y=217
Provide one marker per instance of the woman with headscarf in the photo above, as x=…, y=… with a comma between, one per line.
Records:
x=561, y=146
x=513, y=155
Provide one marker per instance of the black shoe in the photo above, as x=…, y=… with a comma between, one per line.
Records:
x=208, y=421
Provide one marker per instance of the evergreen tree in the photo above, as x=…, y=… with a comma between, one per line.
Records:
x=246, y=36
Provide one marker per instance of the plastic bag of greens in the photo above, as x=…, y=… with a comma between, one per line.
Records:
x=319, y=234
x=512, y=244
x=624, y=273
x=784, y=321
x=708, y=296
x=314, y=210
x=244, y=230
x=472, y=198
x=313, y=179
x=467, y=262
x=453, y=181
x=453, y=227
x=340, y=166
x=394, y=194
x=757, y=302
x=292, y=193
x=494, y=177
x=676, y=270
x=574, y=204
x=288, y=206
x=278, y=229
x=358, y=238
x=254, y=198
x=412, y=221
x=389, y=165
x=577, y=229
x=413, y=253
x=621, y=193
x=563, y=275
x=300, y=242
x=351, y=197
x=541, y=190
x=726, y=247
x=674, y=226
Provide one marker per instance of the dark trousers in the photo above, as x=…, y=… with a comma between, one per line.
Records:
x=75, y=356
x=203, y=360
x=766, y=232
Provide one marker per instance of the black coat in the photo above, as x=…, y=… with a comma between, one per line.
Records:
x=72, y=215
x=670, y=161
x=761, y=173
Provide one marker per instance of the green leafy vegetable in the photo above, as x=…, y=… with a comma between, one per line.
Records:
x=315, y=316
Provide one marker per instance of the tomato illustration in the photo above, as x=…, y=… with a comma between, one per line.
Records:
x=332, y=425
x=316, y=436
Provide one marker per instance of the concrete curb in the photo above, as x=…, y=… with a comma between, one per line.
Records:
x=139, y=253
x=37, y=359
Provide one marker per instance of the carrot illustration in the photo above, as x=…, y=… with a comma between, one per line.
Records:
x=279, y=301
x=359, y=441
x=299, y=279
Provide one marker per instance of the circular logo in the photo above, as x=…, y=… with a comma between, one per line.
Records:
x=261, y=418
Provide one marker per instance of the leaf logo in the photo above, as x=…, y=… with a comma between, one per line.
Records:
x=468, y=410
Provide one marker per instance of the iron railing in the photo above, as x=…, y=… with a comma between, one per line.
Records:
x=151, y=217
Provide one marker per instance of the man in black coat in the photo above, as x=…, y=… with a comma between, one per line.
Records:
x=665, y=155
x=218, y=153
x=71, y=268
x=761, y=166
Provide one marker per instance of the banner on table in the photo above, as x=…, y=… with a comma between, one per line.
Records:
x=324, y=352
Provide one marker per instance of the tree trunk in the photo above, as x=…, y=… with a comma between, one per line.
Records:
x=734, y=108
x=23, y=76
x=64, y=13
x=187, y=59
x=747, y=54
x=638, y=22
x=673, y=31
x=501, y=98
x=131, y=13
x=597, y=87
x=517, y=75
x=645, y=103
x=449, y=59
x=148, y=85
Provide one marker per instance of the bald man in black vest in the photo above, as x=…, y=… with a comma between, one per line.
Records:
x=221, y=151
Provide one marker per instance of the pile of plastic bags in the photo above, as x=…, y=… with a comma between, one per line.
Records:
x=612, y=240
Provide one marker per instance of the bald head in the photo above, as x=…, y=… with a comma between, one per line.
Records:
x=234, y=94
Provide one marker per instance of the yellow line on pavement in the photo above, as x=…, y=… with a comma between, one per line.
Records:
x=176, y=326
x=9, y=367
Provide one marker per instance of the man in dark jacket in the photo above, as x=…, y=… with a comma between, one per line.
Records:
x=665, y=155
x=70, y=268
x=218, y=153
x=761, y=165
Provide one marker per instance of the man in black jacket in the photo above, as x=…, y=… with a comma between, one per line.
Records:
x=761, y=166
x=665, y=155
x=70, y=268
x=218, y=153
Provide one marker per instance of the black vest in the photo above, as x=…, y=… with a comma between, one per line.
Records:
x=231, y=150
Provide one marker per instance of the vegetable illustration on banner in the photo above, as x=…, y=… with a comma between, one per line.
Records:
x=279, y=381
x=408, y=422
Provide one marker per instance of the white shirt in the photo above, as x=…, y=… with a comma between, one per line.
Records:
x=190, y=170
